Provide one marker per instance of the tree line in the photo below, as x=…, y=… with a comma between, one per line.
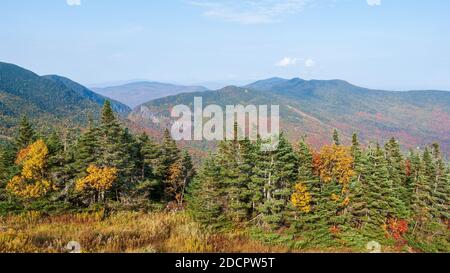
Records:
x=321, y=196
x=104, y=164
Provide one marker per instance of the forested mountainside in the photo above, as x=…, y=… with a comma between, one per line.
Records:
x=315, y=108
x=49, y=101
x=118, y=107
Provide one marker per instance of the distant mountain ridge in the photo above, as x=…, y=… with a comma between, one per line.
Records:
x=50, y=101
x=137, y=93
x=315, y=108
x=118, y=107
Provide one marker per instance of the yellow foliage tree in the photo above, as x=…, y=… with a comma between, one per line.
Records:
x=98, y=179
x=335, y=162
x=175, y=182
x=301, y=198
x=31, y=183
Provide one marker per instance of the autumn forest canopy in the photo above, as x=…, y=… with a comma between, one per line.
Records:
x=296, y=196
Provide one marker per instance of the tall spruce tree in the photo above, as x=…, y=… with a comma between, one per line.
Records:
x=336, y=138
x=397, y=174
x=26, y=134
x=379, y=192
x=87, y=149
x=113, y=143
x=357, y=188
x=280, y=184
x=206, y=197
x=168, y=156
x=308, y=222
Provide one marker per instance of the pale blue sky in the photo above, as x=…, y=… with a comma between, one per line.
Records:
x=390, y=44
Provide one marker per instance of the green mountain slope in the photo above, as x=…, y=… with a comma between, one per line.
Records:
x=316, y=108
x=118, y=107
x=49, y=101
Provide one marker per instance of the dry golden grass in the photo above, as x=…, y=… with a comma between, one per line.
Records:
x=120, y=232
x=126, y=232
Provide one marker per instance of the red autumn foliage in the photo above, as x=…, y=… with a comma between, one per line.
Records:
x=396, y=229
x=335, y=230
x=316, y=162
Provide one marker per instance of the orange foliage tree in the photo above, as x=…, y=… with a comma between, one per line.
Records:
x=32, y=182
x=334, y=163
x=98, y=179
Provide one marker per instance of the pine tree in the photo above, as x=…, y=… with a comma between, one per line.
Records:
x=87, y=149
x=114, y=152
x=379, y=193
x=188, y=170
x=26, y=134
x=107, y=113
x=283, y=176
x=57, y=160
x=169, y=155
x=307, y=221
x=206, y=198
x=358, y=191
x=422, y=199
x=397, y=174
x=440, y=186
x=151, y=184
x=336, y=138
x=260, y=175
x=356, y=149
x=7, y=166
x=237, y=160
x=441, y=192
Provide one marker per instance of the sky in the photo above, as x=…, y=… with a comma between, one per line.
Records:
x=383, y=44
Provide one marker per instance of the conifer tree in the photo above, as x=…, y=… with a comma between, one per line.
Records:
x=114, y=151
x=440, y=186
x=57, y=159
x=260, y=175
x=7, y=158
x=358, y=191
x=356, y=149
x=168, y=156
x=280, y=184
x=149, y=186
x=26, y=134
x=336, y=138
x=441, y=192
x=422, y=196
x=397, y=175
x=206, y=198
x=107, y=113
x=246, y=165
x=236, y=158
x=308, y=221
x=379, y=192
x=87, y=149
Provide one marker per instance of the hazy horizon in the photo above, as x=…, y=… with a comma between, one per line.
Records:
x=379, y=44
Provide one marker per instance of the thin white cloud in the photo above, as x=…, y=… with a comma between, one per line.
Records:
x=374, y=2
x=73, y=2
x=287, y=61
x=250, y=11
x=310, y=63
